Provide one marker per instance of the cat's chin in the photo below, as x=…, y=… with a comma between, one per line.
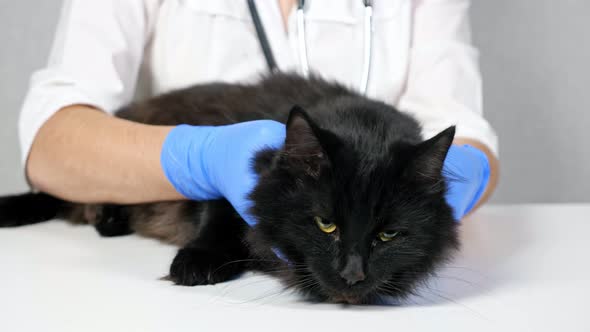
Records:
x=356, y=299
x=343, y=298
x=347, y=299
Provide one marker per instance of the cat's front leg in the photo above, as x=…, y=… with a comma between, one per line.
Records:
x=196, y=266
x=217, y=253
x=109, y=220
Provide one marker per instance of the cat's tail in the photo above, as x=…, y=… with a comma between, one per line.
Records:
x=30, y=208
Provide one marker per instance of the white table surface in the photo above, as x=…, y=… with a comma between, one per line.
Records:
x=521, y=268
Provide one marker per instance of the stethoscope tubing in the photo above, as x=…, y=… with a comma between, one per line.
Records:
x=301, y=38
x=302, y=41
x=367, y=47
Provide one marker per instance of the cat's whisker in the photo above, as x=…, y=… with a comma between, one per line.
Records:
x=303, y=284
x=308, y=287
x=448, y=298
x=465, y=281
x=242, y=285
x=471, y=270
x=272, y=294
x=240, y=261
x=287, y=270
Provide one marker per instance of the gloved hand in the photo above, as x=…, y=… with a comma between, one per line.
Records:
x=467, y=171
x=211, y=162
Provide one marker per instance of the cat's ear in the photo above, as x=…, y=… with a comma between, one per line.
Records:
x=429, y=156
x=303, y=149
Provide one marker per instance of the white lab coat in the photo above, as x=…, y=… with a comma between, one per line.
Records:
x=423, y=61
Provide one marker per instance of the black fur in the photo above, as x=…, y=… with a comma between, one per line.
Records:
x=26, y=209
x=355, y=162
x=217, y=254
x=113, y=220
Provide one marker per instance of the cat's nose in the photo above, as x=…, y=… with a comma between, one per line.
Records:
x=353, y=270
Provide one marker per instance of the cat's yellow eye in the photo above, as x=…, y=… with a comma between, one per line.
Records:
x=326, y=227
x=387, y=236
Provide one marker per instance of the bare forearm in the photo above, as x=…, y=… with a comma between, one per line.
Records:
x=84, y=155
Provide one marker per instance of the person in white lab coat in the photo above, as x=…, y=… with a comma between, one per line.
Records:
x=423, y=63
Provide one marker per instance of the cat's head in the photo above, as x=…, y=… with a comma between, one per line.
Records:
x=353, y=225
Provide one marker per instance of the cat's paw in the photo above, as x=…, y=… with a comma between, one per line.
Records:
x=193, y=267
x=111, y=220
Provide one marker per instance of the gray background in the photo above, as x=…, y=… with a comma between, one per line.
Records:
x=535, y=57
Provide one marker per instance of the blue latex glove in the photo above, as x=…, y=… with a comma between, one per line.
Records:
x=211, y=162
x=468, y=171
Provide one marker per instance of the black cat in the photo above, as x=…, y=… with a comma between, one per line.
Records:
x=353, y=203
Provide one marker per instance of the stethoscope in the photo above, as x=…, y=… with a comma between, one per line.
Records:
x=302, y=41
